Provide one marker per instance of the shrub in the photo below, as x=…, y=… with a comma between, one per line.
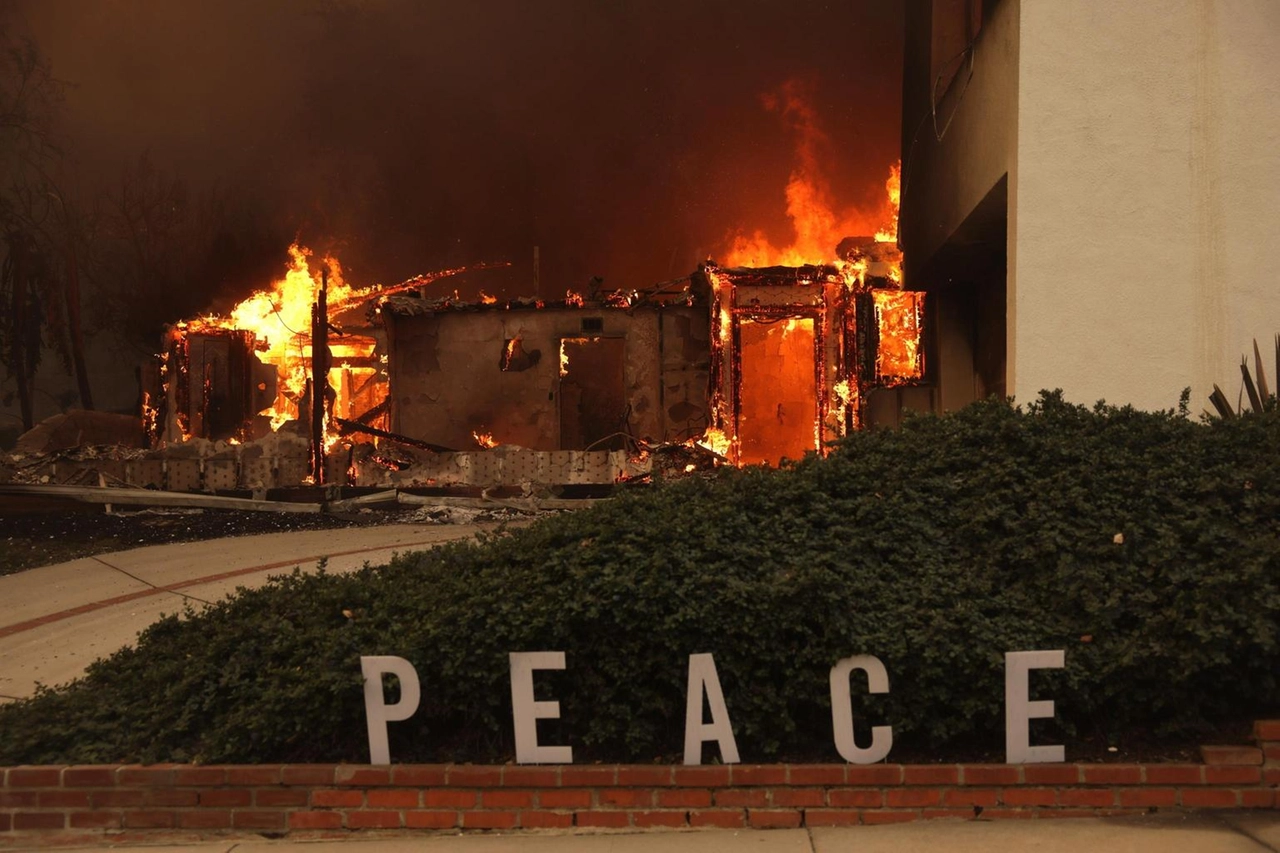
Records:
x=1143, y=544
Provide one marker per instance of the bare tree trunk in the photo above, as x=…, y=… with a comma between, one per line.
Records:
x=73, y=321
x=16, y=269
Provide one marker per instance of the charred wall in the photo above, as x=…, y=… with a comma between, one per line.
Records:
x=499, y=371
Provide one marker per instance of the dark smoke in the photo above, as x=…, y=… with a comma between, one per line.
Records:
x=626, y=139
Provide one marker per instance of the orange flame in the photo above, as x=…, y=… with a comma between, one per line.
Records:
x=484, y=439
x=818, y=224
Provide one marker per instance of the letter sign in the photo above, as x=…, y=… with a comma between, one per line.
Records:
x=702, y=676
x=525, y=712
x=842, y=710
x=1019, y=710
x=376, y=710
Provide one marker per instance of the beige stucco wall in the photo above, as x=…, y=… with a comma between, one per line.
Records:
x=1147, y=200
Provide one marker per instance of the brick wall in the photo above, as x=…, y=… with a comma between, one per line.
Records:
x=280, y=798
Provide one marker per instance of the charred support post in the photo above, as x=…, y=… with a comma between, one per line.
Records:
x=319, y=376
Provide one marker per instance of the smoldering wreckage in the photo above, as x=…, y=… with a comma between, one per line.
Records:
x=530, y=402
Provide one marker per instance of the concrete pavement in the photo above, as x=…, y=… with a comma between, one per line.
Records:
x=1168, y=833
x=56, y=620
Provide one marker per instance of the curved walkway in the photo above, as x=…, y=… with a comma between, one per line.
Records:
x=56, y=620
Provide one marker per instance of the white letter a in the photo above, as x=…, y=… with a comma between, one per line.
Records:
x=702, y=677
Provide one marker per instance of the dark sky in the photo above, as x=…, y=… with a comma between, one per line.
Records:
x=625, y=138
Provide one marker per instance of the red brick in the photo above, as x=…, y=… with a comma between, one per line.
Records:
x=478, y=776
x=1246, y=755
x=1087, y=797
x=89, y=777
x=824, y=774
x=692, y=798
x=985, y=797
x=267, y=774
x=798, y=797
x=449, y=798
x=419, y=775
x=906, y=798
x=1271, y=776
x=869, y=774
x=200, y=776
x=1174, y=774
x=329, y=798
x=506, y=799
x=611, y=820
x=862, y=798
x=307, y=774
x=1051, y=774
x=1232, y=775
x=373, y=820
x=723, y=818
x=1148, y=797
x=931, y=774
x=576, y=799
x=940, y=814
x=431, y=819
x=660, y=818
x=489, y=820
x=148, y=820
x=712, y=776
x=395, y=798
x=830, y=817
x=54, y=799
x=6, y=822
x=1112, y=774
x=18, y=799
x=150, y=775
x=94, y=820
x=39, y=820
x=227, y=797
x=258, y=819
x=1258, y=798
x=1029, y=797
x=990, y=774
x=168, y=798
x=588, y=777
x=642, y=774
x=1271, y=753
x=205, y=819
x=315, y=820
x=873, y=818
x=274, y=797
x=34, y=777
x=758, y=774
x=625, y=797
x=1010, y=814
x=1210, y=798
x=360, y=775
x=773, y=818
x=530, y=777
x=118, y=799
x=1267, y=730
x=530, y=819
x=740, y=797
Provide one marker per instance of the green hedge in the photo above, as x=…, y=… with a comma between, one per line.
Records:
x=1143, y=544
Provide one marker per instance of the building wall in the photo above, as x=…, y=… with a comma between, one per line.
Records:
x=1144, y=190
x=446, y=380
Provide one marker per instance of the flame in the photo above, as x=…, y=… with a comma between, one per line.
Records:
x=484, y=439
x=716, y=441
x=486, y=299
x=574, y=299
x=818, y=224
x=899, y=358
x=565, y=343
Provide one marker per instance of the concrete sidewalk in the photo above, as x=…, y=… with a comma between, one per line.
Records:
x=56, y=620
x=1216, y=833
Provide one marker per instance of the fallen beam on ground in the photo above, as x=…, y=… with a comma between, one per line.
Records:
x=151, y=497
x=345, y=426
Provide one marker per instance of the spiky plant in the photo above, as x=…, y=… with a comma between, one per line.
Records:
x=1259, y=393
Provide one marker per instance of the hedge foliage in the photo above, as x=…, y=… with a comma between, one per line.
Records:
x=1145, y=545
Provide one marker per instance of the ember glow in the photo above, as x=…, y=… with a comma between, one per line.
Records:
x=484, y=439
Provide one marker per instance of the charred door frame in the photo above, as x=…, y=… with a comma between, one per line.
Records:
x=560, y=374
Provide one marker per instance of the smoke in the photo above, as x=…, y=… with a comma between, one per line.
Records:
x=626, y=139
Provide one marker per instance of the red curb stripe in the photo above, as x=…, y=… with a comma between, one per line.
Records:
x=18, y=628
